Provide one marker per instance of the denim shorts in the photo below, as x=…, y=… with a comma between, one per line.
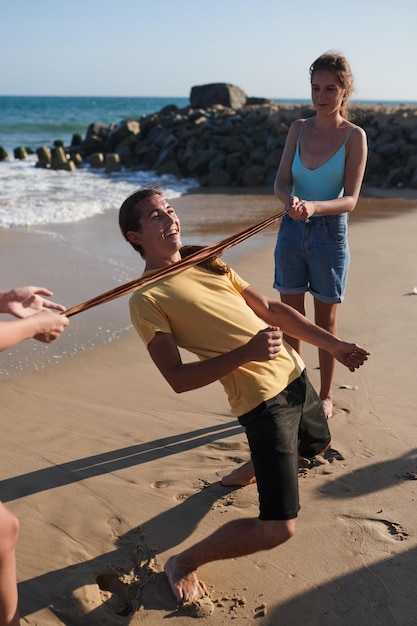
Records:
x=313, y=256
x=291, y=423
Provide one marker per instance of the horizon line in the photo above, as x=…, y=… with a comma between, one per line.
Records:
x=303, y=100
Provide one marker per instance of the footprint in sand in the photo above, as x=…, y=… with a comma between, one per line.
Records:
x=230, y=453
x=181, y=490
x=119, y=597
x=116, y=526
x=162, y=484
x=381, y=529
x=121, y=585
x=320, y=463
x=233, y=451
x=203, y=607
x=339, y=411
x=229, y=445
x=108, y=593
x=386, y=530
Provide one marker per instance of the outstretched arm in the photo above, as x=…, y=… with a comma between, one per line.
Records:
x=44, y=326
x=264, y=346
x=25, y=301
x=297, y=325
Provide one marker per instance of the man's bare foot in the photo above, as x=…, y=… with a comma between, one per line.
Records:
x=240, y=477
x=327, y=407
x=184, y=583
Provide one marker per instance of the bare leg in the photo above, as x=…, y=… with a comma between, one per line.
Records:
x=325, y=317
x=9, y=530
x=237, y=538
x=295, y=301
x=240, y=477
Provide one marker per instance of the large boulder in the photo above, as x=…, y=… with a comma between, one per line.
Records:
x=205, y=96
x=126, y=128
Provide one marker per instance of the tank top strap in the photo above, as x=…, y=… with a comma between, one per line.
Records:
x=299, y=135
x=347, y=136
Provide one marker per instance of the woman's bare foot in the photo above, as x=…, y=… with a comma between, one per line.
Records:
x=327, y=407
x=240, y=477
x=184, y=583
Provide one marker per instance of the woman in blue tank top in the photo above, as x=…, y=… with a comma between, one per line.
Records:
x=319, y=180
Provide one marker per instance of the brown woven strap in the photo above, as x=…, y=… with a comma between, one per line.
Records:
x=205, y=253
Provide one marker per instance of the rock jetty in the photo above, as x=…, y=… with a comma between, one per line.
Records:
x=225, y=139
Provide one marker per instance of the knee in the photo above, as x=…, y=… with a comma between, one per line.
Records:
x=289, y=528
x=9, y=530
x=278, y=532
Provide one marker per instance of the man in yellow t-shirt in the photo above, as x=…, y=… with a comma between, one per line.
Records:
x=235, y=332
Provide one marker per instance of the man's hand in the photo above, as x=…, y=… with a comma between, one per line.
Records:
x=350, y=354
x=265, y=345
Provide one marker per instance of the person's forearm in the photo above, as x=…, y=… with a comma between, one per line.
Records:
x=344, y=204
x=293, y=323
x=289, y=320
x=263, y=346
x=15, y=331
x=282, y=191
x=188, y=376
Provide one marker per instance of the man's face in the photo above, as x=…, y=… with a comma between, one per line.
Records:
x=160, y=229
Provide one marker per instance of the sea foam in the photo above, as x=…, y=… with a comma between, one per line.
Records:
x=32, y=196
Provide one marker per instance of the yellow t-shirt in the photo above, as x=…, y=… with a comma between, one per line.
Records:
x=207, y=316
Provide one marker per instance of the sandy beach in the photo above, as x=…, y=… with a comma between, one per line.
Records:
x=110, y=472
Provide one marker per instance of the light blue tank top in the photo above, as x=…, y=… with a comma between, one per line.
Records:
x=322, y=183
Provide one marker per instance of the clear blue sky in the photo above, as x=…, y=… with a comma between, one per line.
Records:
x=165, y=47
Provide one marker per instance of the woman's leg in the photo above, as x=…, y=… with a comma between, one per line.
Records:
x=325, y=317
x=296, y=301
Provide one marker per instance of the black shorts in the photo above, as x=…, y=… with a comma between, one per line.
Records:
x=291, y=423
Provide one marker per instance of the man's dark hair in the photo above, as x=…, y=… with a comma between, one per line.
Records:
x=129, y=213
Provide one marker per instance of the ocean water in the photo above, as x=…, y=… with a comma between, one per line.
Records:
x=36, y=120
x=31, y=196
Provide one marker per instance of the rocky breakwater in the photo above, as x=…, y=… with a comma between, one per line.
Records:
x=224, y=139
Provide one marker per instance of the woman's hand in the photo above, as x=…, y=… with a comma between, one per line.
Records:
x=291, y=203
x=301, y=209
x=25, y=301
x=49, y=325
